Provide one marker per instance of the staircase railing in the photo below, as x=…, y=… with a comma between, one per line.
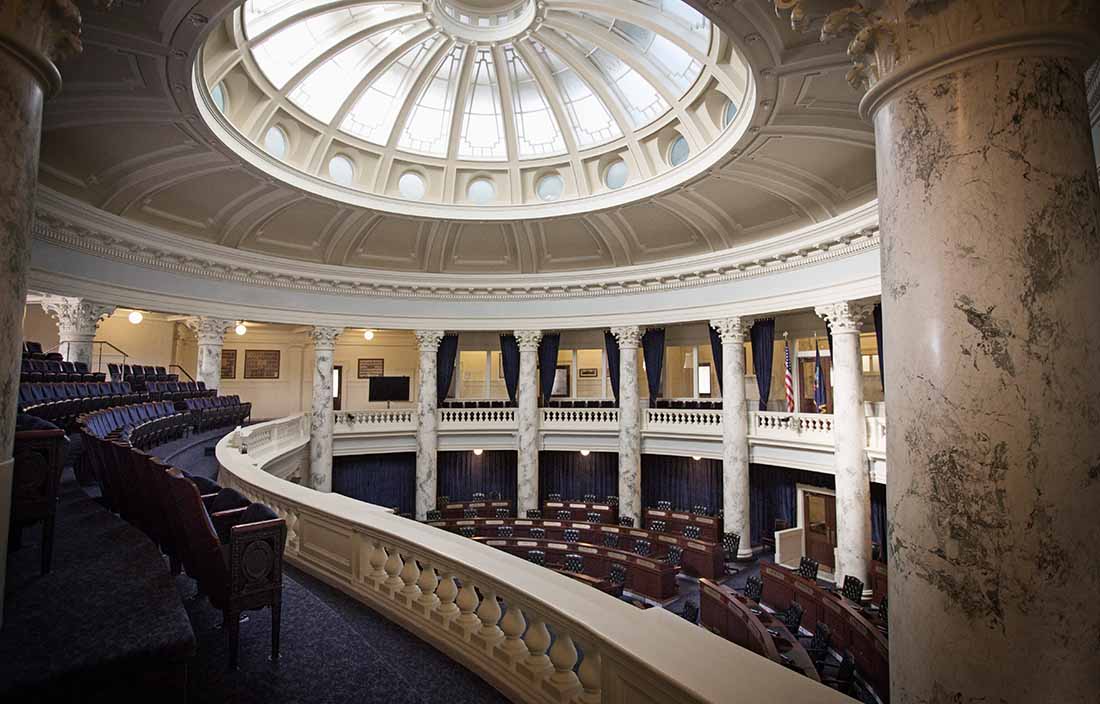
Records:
x=182, y=371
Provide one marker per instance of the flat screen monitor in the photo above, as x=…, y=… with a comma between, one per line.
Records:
x=389, y=388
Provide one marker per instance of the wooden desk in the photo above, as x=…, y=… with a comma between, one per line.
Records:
x=595, y=582
x=879, y=583
x=579, y=510
x=850, y=627
x=485, y=509
x=700, y=558
x=734, y=617
x=676, y=520
x=646, y=576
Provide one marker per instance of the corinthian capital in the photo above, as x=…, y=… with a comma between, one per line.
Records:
x=731, y=330
x=528, y=339
x=428, y=340
x=209, y=331
x=324, y=338
x=629, y=337
x=76, y=317
x=845, y=316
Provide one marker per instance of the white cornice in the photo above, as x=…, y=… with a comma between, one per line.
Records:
x=68, y=223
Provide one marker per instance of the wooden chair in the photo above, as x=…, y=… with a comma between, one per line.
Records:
x=36, y=483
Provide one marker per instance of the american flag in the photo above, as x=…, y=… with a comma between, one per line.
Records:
x=787, y=381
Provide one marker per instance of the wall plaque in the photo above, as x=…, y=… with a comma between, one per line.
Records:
x=371, y=367
x=229, y=364
x=261, y=364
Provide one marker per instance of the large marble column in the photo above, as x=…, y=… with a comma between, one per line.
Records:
x=77, y=322
x=527, y=398
x=427, y=430
x=630, y=423
x=735, y=433
x=853, y=480
x=990, y=220
x=320, y=418
x=33, y=35
x=211, y=335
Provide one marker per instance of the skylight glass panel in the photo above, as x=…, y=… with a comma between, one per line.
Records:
x=427, y=129
x=642, y=101
x=375, y=112
x=537, y=132
x=483, y=125
x=692, y=18
x=669, y=58
x=589, y=118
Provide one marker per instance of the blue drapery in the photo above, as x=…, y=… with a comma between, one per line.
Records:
x=509, y=361
x=877, y=314
x=762, y=334
x=445, y=365
x=683, y=481
x=821, y=394
x=716, y=353
x=492, y=473
x=548, y=363
x=653, y=351
x=878, y=519
x=572, y=475
x=612, y=347
x=387, y=480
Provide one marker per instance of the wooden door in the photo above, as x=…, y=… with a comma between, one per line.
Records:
x=819, y=521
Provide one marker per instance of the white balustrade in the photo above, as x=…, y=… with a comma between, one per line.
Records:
x=264, y=440
x=876, y=434
x=701, y=422
x=515, y=624
x=799, y=428
x=580, y=419
x=476, y=418
x=382, y=420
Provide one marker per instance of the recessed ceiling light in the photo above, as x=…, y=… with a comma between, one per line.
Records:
x=584, y=453
x=478, y=452
x=240, y=329
x=136, y=317
x=368, y=335
x=696, y=457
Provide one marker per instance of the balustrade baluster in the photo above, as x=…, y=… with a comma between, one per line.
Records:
x=393, y=569
x=563, y=655
x=537, y=639
x=378, y=556
x=512, y=648
x=489, y=612
x=410, y=575
x=590, y=676
x=467, y=602
x=428, y=581
x=447, y=593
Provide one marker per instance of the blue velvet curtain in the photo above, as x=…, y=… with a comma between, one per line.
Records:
x=493, y=473
x=762, y=334
x=877, y=313
x=548, y=363
x=445, y=365
x=878, y=518
x=509, y=360
x=773, y=496
x=387, y=480
x=716, y=353
x=572, y=475
x=683, y=481
x=612, y=347
x=653, y=351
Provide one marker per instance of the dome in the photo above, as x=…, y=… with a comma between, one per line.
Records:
x=482, y=105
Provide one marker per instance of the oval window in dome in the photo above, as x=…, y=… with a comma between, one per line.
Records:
x=614, y=176
x=341, y=170
x=275, y=142
x=481, y=191
x=411, y=185
x=679, y=151
x=550, y=187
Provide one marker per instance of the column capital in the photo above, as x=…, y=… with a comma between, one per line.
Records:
x=428, y=340
x=324, y=338
x=528, y=339
x=731, y=330
x=628, y=336
x=209, y=331
x=48, y=31
x=844, y=316
x=76, y=317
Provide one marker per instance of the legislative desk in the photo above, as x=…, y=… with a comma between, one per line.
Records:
x=740, y=620
x=879, y=583
x=595, y=582
x=850, y=627
x=676, y=520
x=649, y=577
x=579, y=510
x=700, y=559
x=486, y=508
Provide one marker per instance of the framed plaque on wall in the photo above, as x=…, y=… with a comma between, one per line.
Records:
x=229, y=364
x=261, y=364
x=371, y=367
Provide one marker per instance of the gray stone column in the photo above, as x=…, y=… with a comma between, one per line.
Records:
x=320, y=419
x=630, y=423
x=427, y=426
x=853, y=480
x=527, y=436
x=77, y=322
x=735, y=433
x=33, y=35
x=210, y=333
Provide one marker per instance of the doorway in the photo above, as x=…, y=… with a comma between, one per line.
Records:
x=337, y=386
x=819, y=521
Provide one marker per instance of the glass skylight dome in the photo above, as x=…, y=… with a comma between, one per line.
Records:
x=454, y=93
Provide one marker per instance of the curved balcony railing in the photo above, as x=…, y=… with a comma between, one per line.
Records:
x=535, y=635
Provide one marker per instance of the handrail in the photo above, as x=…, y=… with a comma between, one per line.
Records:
x=515, y=624
x=180, y=367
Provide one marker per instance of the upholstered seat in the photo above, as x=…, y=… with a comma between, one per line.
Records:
x=658, y=526
x=469, y=513
x=807, y=567
x=675, y=555
x=611, y=540
x=590, y=498
x=626, y=521
x=538, y=557
x=467, y=531
x=853, y=589
x=593, y=517
x=754, y=588
x=643, y=547
x=501, y=512
x=693, y=532
x=534, y=513
x=574, y=562
x=616, y=574
x=537, y=533
x=505, y=531
x=731, y=543
x=571, y=535
x=664, y=505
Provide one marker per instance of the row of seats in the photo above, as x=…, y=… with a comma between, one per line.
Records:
x=138, y=374
x=209, y=412
x=697, y=509
x=177, y=390
x=590, y=403
x=37, y=370
x=686, y=404
x=62, y=403
x=142, y=425
x=33, y=350
x=587, y=498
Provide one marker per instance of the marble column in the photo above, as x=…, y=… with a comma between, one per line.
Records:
x=630, y=423
x=990, y=222
x=210, y=333
x=33, y=35
x=77, y=322
x=427, y=427
x=735, y=433
x=527, y=415
x=853, y=479
x=320, y=418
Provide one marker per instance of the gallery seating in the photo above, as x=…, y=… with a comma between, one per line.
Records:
x=177, y=390
x=61, y=403
x=210, y=412
x=31, y=370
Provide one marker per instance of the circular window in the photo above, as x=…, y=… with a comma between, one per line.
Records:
x=275, y=142
x=615, y=174
x=729, y=114
x=679, y=152
x=341, y=170
x=550, y=187
x=411, y=185
x=217, y=94
x=481, y=191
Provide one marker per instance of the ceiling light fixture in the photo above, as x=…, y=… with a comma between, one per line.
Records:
x=368, y=335
x=478, y=452
x=135, y=317
x=696, y=457
x=240, y=329
x=584, y=453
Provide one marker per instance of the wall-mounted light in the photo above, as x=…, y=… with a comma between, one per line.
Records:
x=584, y=453
x=240, y=329
x=135, y=317
x=696, y=457
x=478, y=452
x=368, y=335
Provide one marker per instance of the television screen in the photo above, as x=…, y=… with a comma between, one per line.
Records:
x=389, y=388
